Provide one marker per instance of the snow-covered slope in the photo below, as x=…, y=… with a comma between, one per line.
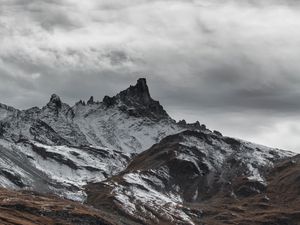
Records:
x=62, y=170
x=186, y=168
x=115, y=129
x=130, y=121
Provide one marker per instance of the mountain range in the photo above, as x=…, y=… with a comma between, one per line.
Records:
x=129, y=162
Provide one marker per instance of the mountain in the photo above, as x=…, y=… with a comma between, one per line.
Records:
x=131, y=121
x=166, y=184
x=59, y=148
x=128, y=158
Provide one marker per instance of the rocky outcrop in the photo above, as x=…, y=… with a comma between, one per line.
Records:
x=139, y=102
x=136, y=101
x=109, y=101
x=138, y=93
x=91, y=101
x=55, y=102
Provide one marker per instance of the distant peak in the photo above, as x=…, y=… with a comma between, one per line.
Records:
x=109, y=101
x=54, y=98
x=55, y=101
x=91, y=101
x=138, y=102
x=142, y=86
x=81, y=102
x=138, y=92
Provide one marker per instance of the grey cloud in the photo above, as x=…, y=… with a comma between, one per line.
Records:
x=231, y=63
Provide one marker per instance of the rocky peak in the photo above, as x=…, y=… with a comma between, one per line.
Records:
x=109, y=101
x=138, y=92
x=141, y=88
x=54, y=102
x=137, y=101
x=196, y=125
x=80, y=102
x=91, y=101
x=54, y=106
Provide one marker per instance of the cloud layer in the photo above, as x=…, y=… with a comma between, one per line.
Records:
x=231, y=64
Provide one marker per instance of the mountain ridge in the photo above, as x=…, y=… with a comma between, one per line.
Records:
x=59, y=148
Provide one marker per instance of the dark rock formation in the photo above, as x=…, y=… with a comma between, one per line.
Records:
x=109, y=101
x=43, y=133
x=196, y=125
x=2, y=130
x=138, y=93
x=138, y=102
x=217, y=133
x=55, y=102
x=91, y=101
x=80, y=102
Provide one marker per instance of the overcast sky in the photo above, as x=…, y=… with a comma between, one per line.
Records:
x=231, y=64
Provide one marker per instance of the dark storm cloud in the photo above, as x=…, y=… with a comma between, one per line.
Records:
x=234, y=64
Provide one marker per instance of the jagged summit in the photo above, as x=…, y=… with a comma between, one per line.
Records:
x=91, y=101
x=137, y=101
x=139, y=92
x=54, y=102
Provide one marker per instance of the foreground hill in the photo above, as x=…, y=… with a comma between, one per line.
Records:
x=28, y=208
x=186, y=174
x=278, y=204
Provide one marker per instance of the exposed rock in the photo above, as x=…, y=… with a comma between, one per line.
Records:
x=217, y=133
x=138, y=102
x=91, y=101
x=54, y=102
x=43, y=133
x=2, y=130
x=139, y=93
x=80, y=102
x=244, y=187
x=182, y=123
x=109, y=101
